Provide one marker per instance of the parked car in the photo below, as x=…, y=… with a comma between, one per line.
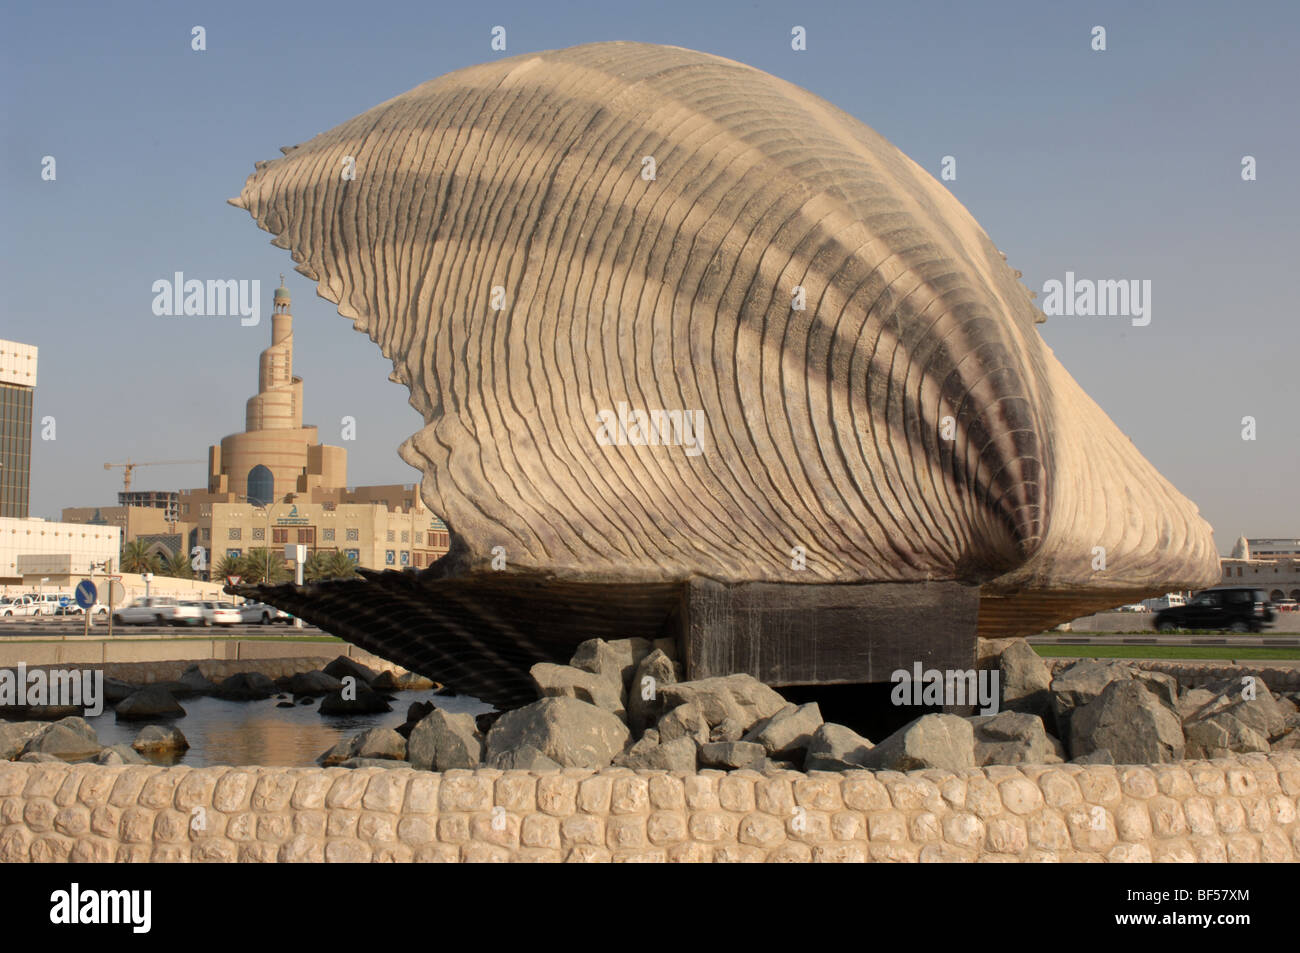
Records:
x=220, y=613
x=159, y=610
x=71, y=608
x=1286, y=605
x=29, y=605
x=261, y=613
x=1237, y=608
x=1132, y=607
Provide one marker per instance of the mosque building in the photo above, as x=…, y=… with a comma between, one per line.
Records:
x=275, y=483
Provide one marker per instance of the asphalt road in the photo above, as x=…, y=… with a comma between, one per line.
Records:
x=1210, y=638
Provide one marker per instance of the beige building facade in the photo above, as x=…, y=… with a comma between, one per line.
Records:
x=1269, y=564
x=274, y=484
x=52, y=556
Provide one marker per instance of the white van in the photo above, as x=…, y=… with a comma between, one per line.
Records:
x=1169, y=600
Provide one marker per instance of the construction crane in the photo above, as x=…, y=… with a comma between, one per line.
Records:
x=129, y=466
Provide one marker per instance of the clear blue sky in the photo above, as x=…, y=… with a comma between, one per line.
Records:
x=1122, y=164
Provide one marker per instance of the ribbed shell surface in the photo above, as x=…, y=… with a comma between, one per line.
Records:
x=824, y=428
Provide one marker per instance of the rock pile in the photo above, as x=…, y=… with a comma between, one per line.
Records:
x=623, y=703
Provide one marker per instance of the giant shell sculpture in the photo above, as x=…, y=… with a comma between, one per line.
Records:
x=560, y=248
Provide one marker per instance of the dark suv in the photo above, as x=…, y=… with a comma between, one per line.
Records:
x=1239, y=608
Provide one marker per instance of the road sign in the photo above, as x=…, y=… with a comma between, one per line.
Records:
x=117, y=592
x=86, y=593
x=233, y=580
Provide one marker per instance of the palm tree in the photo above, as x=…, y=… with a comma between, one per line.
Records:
x=179, y=566
x=228, y=566
x=329, y=564
x=264, y=565
x=137, y=558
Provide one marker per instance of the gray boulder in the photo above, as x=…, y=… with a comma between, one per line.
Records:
x=313, y=683
x=677, y=755
x=411, y=682
x=1080, y=684
x=572, y=733
x=1259, y=712
x=115, y=690
x=732, y=755
x=836, y=748
x=1026, y=680
x=149, y=702
x=1013, y=737
x=645, y=700
x=727, y=730
x=120, y=754
x=1231, y=722
x=374, y=744
x=160, y=738
x=366, y=702
x=1100, y=756
x=342, y=666
x=14, y=736
x=1193, y=700
x=1164, y=687
x=787, y=734
x=687, y=721
x=246, y=686
x=1221, y=735
x=742, y=698
x=615, y=660
x=565, y=681
x=39, y=757
x=80, y=726
x=931, y=741
x=443, y=740
x=373, y=763
x=64, y=742
x=196, y=683
x=1131, y=722
x=525, y=758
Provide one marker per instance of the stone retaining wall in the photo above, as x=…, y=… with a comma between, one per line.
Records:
x=1195, y=674
x=1242, y=809
x=1189, y=674
x=143, y=673
x=103, y=653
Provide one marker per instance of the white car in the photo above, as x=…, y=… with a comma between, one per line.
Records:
x=72, y=608
x=220, y=613
x=30, y=604
x=159, y=610
x=261, y=613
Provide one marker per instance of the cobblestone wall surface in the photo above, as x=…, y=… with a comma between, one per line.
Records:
x=1242, y=809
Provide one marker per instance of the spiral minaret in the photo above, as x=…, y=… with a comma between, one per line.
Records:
x=277, y=405
x=275, y=455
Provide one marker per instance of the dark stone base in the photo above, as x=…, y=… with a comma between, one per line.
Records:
x=825, y=634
